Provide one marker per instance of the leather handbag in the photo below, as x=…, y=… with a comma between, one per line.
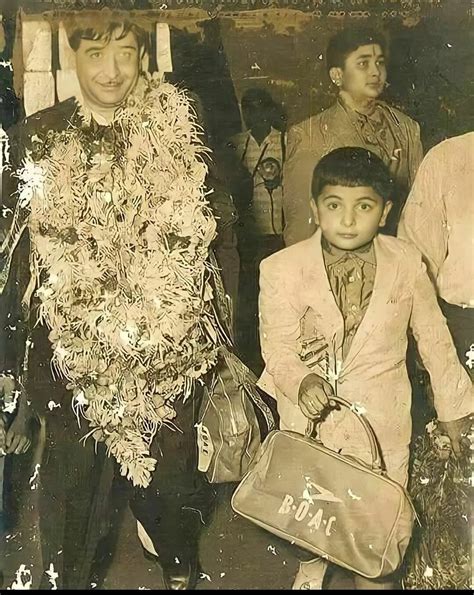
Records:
x=228, y=431
x=332, y=505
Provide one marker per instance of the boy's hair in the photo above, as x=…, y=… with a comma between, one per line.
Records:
x=352, y=166
x=100, y=25
x=347, y=41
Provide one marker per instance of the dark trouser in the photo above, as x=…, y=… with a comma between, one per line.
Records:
x=252, y=250
x=75, y=485
x=177, y=504
x=461, y=326
x=75, y=478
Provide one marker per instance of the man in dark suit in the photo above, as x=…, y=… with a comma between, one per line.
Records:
x=76, y=476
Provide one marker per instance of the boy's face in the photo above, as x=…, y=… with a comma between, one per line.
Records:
x=349, y=217
x=108, y=72
x=364, y=74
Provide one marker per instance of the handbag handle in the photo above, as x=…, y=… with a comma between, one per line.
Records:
x=377, y=464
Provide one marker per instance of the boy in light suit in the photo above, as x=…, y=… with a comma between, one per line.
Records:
x=334, y=314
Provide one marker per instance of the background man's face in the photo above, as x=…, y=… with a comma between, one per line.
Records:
x=107, y=72
x=256, y=114
x=364, y=73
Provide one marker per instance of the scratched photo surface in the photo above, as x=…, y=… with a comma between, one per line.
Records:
x=236, y=294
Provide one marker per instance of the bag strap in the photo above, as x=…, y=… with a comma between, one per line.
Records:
x=313, y=425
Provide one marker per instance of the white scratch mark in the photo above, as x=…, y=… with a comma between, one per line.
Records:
x=428, y=572
x=255, y=66
x=52, y=405
x=203, y=575
x=470, y=357
x=176, y=560
x=52, y=576
x=358, y=409
x=272, y=549
x=6, y=64
x=23, y=580
x=352, y=495
x=34, y=477
x=424, y=480
x=222, y=574
x=11, y=403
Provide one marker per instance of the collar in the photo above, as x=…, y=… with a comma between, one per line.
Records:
x=273, y=132
x=332, y=255
x=379, y=105
x=88, y=113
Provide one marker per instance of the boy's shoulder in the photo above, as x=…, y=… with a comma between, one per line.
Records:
x=400, y=249
x=292, y=256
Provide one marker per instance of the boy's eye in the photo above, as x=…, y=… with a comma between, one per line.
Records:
x=332, y=206
x=380, y=62
x=126, y=55
x=362, y=64
x=95, y=55
x=365, y=206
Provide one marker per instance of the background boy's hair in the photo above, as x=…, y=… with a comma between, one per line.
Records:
x=348, y=40
x=352, y=166
x=100, y=25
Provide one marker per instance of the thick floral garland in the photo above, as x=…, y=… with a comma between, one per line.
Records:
x=120, y=230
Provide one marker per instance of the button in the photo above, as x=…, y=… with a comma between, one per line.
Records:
x=351, y=279
x=353, y=307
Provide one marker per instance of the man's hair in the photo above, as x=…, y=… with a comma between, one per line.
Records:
x=352, y=167
x=100, y=25
x=349, y=40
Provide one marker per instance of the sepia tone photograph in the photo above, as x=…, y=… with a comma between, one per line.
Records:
x=236, y=294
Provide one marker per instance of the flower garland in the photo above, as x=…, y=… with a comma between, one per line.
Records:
x=120, y=230
x=439, y=554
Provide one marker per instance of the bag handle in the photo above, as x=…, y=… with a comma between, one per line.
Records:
x=312, y=430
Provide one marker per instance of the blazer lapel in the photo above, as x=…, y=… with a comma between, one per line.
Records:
x=385, y=278
x=318, y=295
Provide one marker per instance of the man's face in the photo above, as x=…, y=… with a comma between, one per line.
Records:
x=349, y=217
x=364, y=74
x=107, y=72
x=256, y=114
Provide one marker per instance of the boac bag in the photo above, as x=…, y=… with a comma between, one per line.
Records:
x=332, y=505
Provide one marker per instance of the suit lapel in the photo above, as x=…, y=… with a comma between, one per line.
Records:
x=385, y=278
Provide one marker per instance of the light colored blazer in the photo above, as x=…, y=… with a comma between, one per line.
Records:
x=297, y=307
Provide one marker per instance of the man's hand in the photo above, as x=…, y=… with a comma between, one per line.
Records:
x=314, y=395
x=18, y=439
x=458, y=431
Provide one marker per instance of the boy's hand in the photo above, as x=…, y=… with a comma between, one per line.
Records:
x=458, y=431
x=314, y=395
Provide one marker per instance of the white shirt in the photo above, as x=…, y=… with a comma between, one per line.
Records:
x=439, y=218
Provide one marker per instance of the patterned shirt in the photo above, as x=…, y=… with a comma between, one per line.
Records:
x=351, y=276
